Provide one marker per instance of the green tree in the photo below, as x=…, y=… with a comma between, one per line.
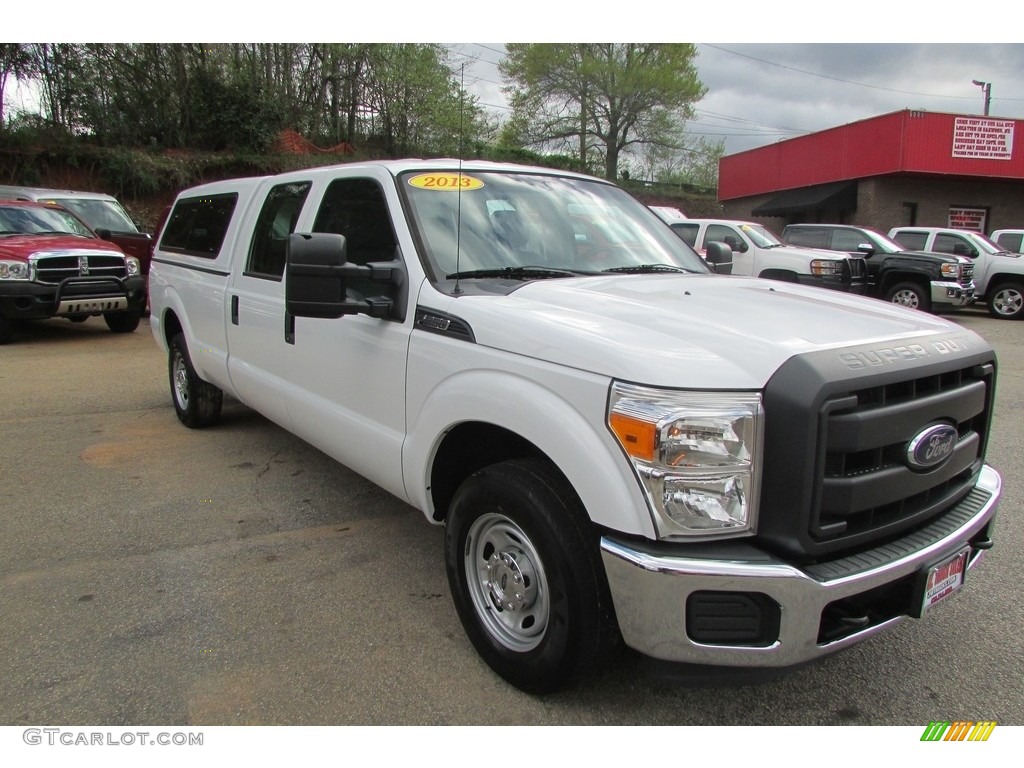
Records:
x=693, y=163
x=220, y=96
x=603, y=99
x=416, y=104
x=15, y=59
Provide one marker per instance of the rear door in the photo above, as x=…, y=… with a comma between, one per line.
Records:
x=259, y=359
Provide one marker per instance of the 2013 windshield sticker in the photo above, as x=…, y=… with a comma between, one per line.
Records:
x=445, y=182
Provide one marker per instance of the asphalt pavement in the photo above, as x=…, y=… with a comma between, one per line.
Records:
x=236, y=576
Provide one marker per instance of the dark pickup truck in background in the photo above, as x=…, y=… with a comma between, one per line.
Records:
x=918, y=279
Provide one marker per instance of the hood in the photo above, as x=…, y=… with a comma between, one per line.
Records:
x=799, y=250
x=705, y=331
x=21, y=247
x=935, y=256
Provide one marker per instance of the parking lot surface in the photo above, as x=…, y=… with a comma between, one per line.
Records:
x=236, y=576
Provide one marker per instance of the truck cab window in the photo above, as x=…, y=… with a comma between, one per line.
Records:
x=955, y=245
x=276, y=221
x=356, y=208
x=197, y=225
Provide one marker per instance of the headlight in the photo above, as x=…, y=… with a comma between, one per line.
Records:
x=15, y=270
x=696, y=454
x=950, y=270
x=826, y=267
x=132, y=265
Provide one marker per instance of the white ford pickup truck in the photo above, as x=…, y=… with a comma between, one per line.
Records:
x=622, y=446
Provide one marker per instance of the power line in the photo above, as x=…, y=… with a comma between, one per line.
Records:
x=842, y=80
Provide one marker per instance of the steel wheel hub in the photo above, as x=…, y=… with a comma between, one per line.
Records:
x=506, y=582
x=181, y=381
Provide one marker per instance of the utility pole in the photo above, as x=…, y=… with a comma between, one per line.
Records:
x=986, y=88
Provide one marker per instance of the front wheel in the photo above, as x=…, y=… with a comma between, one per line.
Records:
x=909, y=295
x=1006, y=301
x=123, y=322
x=196, y=402
x=523, y=563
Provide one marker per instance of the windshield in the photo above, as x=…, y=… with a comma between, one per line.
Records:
x=32, y=220
x=502, y=222
x=982, y=243
x=884, y=244
x=763, y=238
x=98, y=213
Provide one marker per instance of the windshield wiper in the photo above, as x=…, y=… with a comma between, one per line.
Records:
x=518, y=273
x=642, y=269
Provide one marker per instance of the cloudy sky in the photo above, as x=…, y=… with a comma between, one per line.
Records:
x=759, y=93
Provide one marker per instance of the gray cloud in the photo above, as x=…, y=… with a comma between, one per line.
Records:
x=762, y=93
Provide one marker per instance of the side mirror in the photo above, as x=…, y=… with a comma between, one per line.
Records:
x=866, y=248
x=719, y=257
x=104, y=234
x=317, y=273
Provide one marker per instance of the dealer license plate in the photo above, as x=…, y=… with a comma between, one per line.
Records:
x=944, y=579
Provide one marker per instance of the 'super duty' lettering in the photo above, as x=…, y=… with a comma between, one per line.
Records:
x=908, y=352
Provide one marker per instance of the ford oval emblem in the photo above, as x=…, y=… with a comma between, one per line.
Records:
x=931, y=446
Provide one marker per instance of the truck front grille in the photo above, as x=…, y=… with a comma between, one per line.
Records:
x=866, y=484
x=53, y=269
x=837, y=475
x=967, y=274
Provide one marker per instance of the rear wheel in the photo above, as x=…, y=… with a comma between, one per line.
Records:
x=1006, y=301
x=196, y=402
x=910, y=295
x=123, y=322
x=523, y=562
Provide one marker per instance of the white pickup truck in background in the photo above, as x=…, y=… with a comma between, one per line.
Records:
x=621, y=445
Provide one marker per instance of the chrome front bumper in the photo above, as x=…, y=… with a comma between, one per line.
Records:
x=952, y=294
x=650, y=588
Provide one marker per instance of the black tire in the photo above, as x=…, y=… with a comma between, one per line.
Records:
x=909, y=294
x=123, y=322
x=1006, y=301
x=524, y=566
x=197, y=402
x=6, y=332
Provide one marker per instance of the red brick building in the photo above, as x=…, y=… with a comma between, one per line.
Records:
x=903, y=168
